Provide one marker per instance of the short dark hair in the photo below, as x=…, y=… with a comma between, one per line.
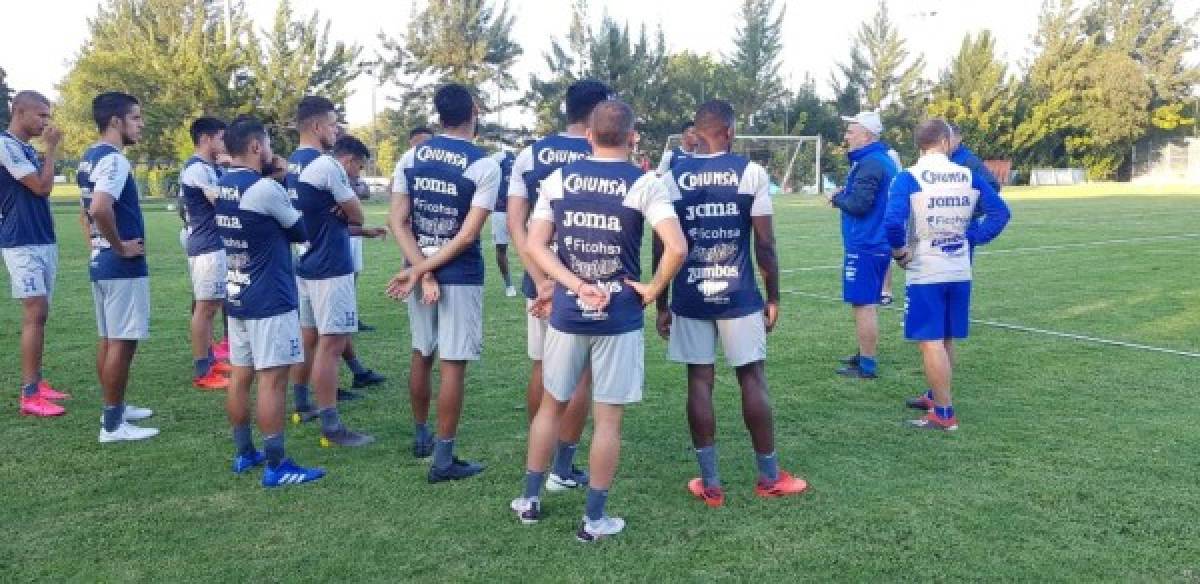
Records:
x=312, y=106
x=713, y=115
x=353, y=146
x=582, y=97
x=244, y=130
x=205, y=126
x=417, y=131
x=611, y=123
x=109, y=105
x=454, y=105
x=27, y=97
x=687, y=126
x=932, y=131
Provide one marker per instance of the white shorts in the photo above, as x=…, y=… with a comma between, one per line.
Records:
x=500, y=228
x=356, y=252
x=453, y=327
x=32, y=269
x=183, y=237
x=329, y=305
x=208, y=275
x=122, y=308
x=535, y=334
x=618, y=365
x=694, y=341
x=264, y=343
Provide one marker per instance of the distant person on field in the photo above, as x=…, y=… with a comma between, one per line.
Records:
x=500, y=235
x=687, y=145
x=963, y=156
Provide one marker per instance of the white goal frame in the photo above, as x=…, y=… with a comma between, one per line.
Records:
x=675, y=139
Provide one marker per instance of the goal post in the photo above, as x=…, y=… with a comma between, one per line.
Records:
x=793, y=162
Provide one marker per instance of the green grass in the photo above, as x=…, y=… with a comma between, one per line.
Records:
x=1075, y=462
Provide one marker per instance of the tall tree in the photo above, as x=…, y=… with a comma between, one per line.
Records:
x=974, y=92
x=755, y=61
x=567, y=61
x=5, y=97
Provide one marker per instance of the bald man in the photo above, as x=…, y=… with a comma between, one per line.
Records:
x=27, y=239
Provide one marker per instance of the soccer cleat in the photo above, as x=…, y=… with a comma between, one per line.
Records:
x=932, y=421
x=367, y=379
x=712, y=496
x=851, y=360
x=343, y=395
x=919, y=403
x=134, y=413
x=245, y=462
x=576, y=479
x=289, y=473
x=885, y=300
x=38, y=406
x=785, y=485
x=46, y=391
x=346, y=437
x=528, y=511
x=222, y=368
x=211, y=382
x=221, y=349
x=364, y=327
x=304, y=416
x=510, y=292
x=422, y=449
x=593, y=531
x=127, y=432
x=854, y=372
x=458, y=470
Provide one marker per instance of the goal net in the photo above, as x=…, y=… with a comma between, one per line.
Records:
x=792, y=162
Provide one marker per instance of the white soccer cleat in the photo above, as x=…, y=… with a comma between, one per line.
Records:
x=127, y=432
x=592, y=531
x=134, y=413
x=557, y=484
x=510, y=292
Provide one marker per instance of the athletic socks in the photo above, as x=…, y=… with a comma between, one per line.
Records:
x=273, y=446
x=564, y=458
x=443, y=453
x=113, y=416
x=355, y=367
x=507, y=280
x=330, y=420
x=203, y=365
x=421, y=432
x=243, y=440
x=29, y=389
x=594, y=507
x=707, y=457
x=300, y=395
x=768, y=467
x=533, y=484
x=866, y=364
x=944, y=412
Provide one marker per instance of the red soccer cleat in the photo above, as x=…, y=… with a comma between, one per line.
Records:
x=712, y=496
x=222, y=368
x=210, y=382
x=41, y=407
x=47, y=392
x=786, y=485
x=221, y=349
x=932, y=421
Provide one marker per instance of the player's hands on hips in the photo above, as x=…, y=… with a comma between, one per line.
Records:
x=401, y=285
x=648, y=295
x=131, y=248
x=52, y=137
x=663, y=324
x=593, y=296
x=771, y=315
x=545, y=299
x=431, y=291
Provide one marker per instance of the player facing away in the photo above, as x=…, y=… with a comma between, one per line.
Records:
x=120, y=279
x=257, y=222
x=862, y=203
x=724, y=206
x=961, y=155
x=687, y=145
x=27, y=239
x=442, y=192
x=930, y=230
x=206, y=255
x=320, y=189
x=594, y=211
x=532, y=166
x=500, y=237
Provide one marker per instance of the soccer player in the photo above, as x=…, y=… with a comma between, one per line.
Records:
x=320, y=190
x=418, y=136
x=594, y=210
x=352, y=154
x=862, y=203
x=27, y=239
x=930, y=231
x=534, y=164
x=687, y=141
x=963, y=156
x=442, y=192
x=206, y=255
x=722, y=199
x=504, y=159
x=257, y=221
x=120, y=279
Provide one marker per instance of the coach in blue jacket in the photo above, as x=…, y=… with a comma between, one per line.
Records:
x=963, y=156
x=862, y=202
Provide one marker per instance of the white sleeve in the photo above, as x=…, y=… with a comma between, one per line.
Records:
x=516, y=180
x=756, y=182
x=552, y=188
x=198, y=175
x=14, y=160
x=399, y=180
x=327, y=174
x=649, y=195
x=668, y=182
x=109, y=175
x=485, y=173
x=664, y=166
x=269, y=198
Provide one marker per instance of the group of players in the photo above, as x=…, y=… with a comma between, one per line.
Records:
x=270, y=242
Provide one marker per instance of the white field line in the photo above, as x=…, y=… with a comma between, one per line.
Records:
x=1034, y=330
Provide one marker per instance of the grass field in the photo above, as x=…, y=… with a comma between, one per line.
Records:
x=1075, y=461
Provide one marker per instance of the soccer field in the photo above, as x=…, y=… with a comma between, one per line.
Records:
x=1076, y=460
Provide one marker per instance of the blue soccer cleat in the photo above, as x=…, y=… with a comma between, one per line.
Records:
x=245, y=462
x=289, y=473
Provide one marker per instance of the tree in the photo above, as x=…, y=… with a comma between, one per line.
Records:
x=5, y=97
x=755, y=61
x=975, y=93
x=567, y=61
